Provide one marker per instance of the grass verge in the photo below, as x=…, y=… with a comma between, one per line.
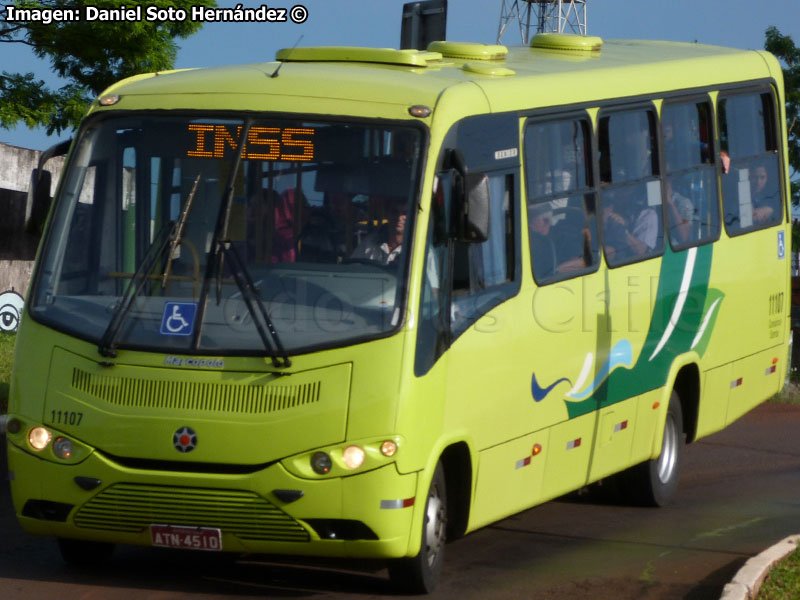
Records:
x=6, y=361
x=783, y=580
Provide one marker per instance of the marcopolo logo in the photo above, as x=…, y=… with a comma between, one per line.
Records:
x=194, y=362
x=185, y=439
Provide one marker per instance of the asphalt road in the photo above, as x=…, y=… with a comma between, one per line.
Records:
x=740, y=493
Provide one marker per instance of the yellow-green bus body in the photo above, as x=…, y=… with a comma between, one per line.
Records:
x=471, y=407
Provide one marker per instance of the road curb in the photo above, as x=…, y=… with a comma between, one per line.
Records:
x=748, y=580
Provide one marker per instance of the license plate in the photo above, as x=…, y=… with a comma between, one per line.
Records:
x=192, y=538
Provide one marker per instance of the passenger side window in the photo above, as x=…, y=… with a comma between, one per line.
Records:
x=631, y=189
x=692, y=209
x=562, y=223
x=751, y=188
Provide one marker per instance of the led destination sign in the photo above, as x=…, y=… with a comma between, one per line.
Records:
x=263, y=143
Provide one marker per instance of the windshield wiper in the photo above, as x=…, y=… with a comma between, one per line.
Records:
x=162, y=241
x=108, y=342
x=176, y=238
x=254, y=305
x=221, y=248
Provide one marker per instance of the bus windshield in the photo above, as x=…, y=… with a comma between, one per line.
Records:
x=181, y=234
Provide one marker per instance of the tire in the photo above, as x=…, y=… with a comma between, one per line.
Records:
x=655, y=482
x=80, y=553
x=419, y=575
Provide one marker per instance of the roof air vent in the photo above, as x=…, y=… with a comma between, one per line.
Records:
x=567, y=41
x=469, y=50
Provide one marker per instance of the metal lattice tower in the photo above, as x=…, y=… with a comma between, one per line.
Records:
x=546, y=15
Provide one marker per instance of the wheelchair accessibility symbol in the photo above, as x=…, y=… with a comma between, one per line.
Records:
x=178, y=318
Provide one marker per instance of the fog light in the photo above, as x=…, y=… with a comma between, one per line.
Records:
x=353, y=457
x=13, y=425
x=62, y=447
x=39, y=437
x=321, y=463
x=388, y=448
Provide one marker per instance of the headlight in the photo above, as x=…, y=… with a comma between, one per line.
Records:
x=39, y=438
x=321, y=463
x=344, y=460
x=62, y=447
x=353, y=457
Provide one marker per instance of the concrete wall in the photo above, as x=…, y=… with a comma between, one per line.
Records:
x=16, y=164
x=15, y=275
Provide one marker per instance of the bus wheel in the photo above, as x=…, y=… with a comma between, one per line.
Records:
x=656, y=481
x=418, y=575
x=81, y=553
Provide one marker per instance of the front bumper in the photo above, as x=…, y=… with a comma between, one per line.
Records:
x=51, y=499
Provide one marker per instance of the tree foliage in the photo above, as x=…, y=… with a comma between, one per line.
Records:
x=87, y=55
x=784, y=48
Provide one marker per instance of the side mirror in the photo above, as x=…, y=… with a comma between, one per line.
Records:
x=471, y=199
x=39, y=199
x=474, y=215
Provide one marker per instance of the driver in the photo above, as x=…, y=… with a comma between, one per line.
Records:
x=385, y=245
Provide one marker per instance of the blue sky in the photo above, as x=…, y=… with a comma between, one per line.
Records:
x=736, y=23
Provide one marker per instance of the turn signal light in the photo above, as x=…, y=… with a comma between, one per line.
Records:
x=388, y=448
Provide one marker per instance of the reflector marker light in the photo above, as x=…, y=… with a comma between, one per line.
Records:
x=419, y=110
x=770, y=370
x=109, y=100
x=524, y=462
x=389, y=504
x=656, y=404
x=736, y=383
x=571, y=445
x=620, y=426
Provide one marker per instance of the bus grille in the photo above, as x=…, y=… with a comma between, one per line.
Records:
x=195, y=396
x=133, y=507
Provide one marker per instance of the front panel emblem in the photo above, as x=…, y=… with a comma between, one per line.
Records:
x=185, y=439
